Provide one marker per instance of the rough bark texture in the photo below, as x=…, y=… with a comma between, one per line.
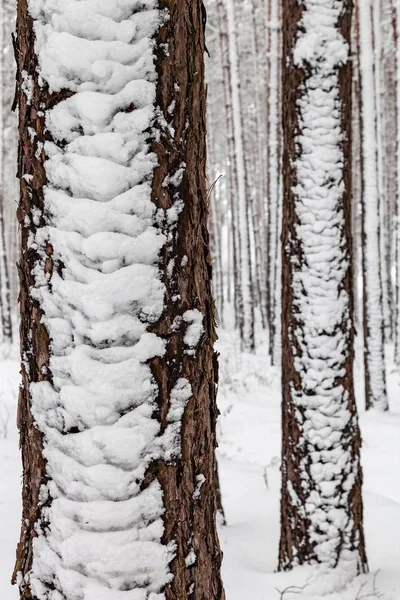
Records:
x=189, y=522
x=184, y=519
x=299, y=534
x=33, y=334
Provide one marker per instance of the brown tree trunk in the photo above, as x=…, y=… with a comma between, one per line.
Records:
x=187, y=480
x=317, y=309
x=232, y=186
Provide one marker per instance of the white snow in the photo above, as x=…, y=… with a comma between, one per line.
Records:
x=194, y=320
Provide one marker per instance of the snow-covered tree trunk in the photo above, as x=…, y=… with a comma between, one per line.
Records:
x=117, y=406
x=321, y=505
x=374, y=333
x=390, y=127
x=356, y=182
x=379, y=33
x=247, y=336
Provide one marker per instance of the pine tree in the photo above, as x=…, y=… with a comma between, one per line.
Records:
x=117, y=406
x=321, y=504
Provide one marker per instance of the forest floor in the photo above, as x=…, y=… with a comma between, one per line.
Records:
x=249, y=461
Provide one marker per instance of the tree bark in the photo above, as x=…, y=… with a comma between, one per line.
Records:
x=180, y=469
x=321, y=471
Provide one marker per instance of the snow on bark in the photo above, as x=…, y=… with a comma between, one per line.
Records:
x=374, y=331
x=100, y=530
x=243, y=222
x=321, y=476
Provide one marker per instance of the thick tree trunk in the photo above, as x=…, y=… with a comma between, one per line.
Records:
x=321, y=504
x=117, y=413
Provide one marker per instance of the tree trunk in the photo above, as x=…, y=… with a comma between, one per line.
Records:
x=321, y=504
x=6, y=148
x=273, y=167
x=232, y=193
x=117, y=413
x=247, y=337
x=374, y=336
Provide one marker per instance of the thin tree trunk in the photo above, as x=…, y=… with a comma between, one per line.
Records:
x=380, y=97
x=356, y=185
x=374, y=350
x=247, y=338
x=321, y=503
x=232, y=170
x=5, y=303
x=117, y=415
x=274, y=175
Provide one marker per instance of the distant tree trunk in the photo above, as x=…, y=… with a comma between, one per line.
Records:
x=379, y=42
x=267, y=209
x=117, y=412
x=356, y=212
x=277, y=299
x=321, y=503
x=6, y=148
x=273, y=164
x=232, y=191
x=396, y=21
x=390, y=127
x=247, y=337
x=262, y=166
x=374, y=336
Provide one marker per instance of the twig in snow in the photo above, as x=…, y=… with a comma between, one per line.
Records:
x=265, y=475
x=373, y=594
x=291, y=589
x=5, y=420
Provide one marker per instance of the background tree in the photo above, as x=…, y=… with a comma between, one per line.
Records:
x=321, y=505
x=117, y=406
x=371, y=188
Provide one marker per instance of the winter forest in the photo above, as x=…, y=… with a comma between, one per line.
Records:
x=200, y=300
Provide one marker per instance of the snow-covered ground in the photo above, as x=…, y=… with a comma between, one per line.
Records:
x=10, y=476
x=249, y=459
